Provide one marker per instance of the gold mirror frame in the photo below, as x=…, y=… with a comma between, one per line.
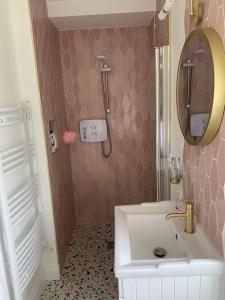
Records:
x=218, y=102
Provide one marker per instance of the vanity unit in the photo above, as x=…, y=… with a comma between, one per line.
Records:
x=191, y=268
x=159, y=253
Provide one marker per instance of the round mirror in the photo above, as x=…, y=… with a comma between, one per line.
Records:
x=201, y=86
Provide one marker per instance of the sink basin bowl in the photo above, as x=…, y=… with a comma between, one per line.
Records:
x=139, y=229
x=147, y=233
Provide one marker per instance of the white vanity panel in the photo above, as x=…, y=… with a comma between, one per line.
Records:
x=180, y=288
x=193, y=287
x=218, y=288
x=168, y=288
x=172, y=288
x=129, y=289
x=142, y=288
x=206, y=290
x=120, y=283
x=155, y=291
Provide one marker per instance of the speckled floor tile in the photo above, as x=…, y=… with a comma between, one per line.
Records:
x=88, y=270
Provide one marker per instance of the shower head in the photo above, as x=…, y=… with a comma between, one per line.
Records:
x=104, y=67
x=101, y=58
x=198, y=52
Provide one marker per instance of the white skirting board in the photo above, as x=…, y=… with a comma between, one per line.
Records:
x=48, y=270
x=50, y=265
x=173, y=288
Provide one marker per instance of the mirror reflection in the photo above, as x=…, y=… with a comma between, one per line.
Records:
x=195, y=86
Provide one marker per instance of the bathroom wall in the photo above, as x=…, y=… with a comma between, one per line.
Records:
x=128, y=176
x=18, y=83
x=46, y=40
x=204, y=171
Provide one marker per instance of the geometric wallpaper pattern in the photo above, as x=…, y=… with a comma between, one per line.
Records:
x=204, y=167
x=128, y=176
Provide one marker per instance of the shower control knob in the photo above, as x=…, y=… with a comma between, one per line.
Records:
x=108, y=110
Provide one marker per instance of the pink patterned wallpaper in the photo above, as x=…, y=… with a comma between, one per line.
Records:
x=53, y=107
x=128, y=176
x=204, y=167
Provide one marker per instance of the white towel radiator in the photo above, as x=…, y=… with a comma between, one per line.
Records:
x=20, y=206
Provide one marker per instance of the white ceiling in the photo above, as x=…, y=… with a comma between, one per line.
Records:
x=79, y=14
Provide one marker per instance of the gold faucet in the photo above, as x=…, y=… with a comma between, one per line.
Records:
x=189, y=228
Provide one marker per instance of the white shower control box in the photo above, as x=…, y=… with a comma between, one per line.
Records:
x=198, y=124
x=93, y=131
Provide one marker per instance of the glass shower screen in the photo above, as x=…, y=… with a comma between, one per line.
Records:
x=162, y=122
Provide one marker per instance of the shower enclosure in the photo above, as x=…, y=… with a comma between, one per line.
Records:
x=162, y=122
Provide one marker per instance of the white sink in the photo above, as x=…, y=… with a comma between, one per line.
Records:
x=139, y=229
x=147, y=233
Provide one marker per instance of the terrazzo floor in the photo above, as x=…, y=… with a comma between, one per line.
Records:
x=88, y=271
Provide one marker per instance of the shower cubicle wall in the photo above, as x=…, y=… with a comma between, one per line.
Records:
x=162, y=122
